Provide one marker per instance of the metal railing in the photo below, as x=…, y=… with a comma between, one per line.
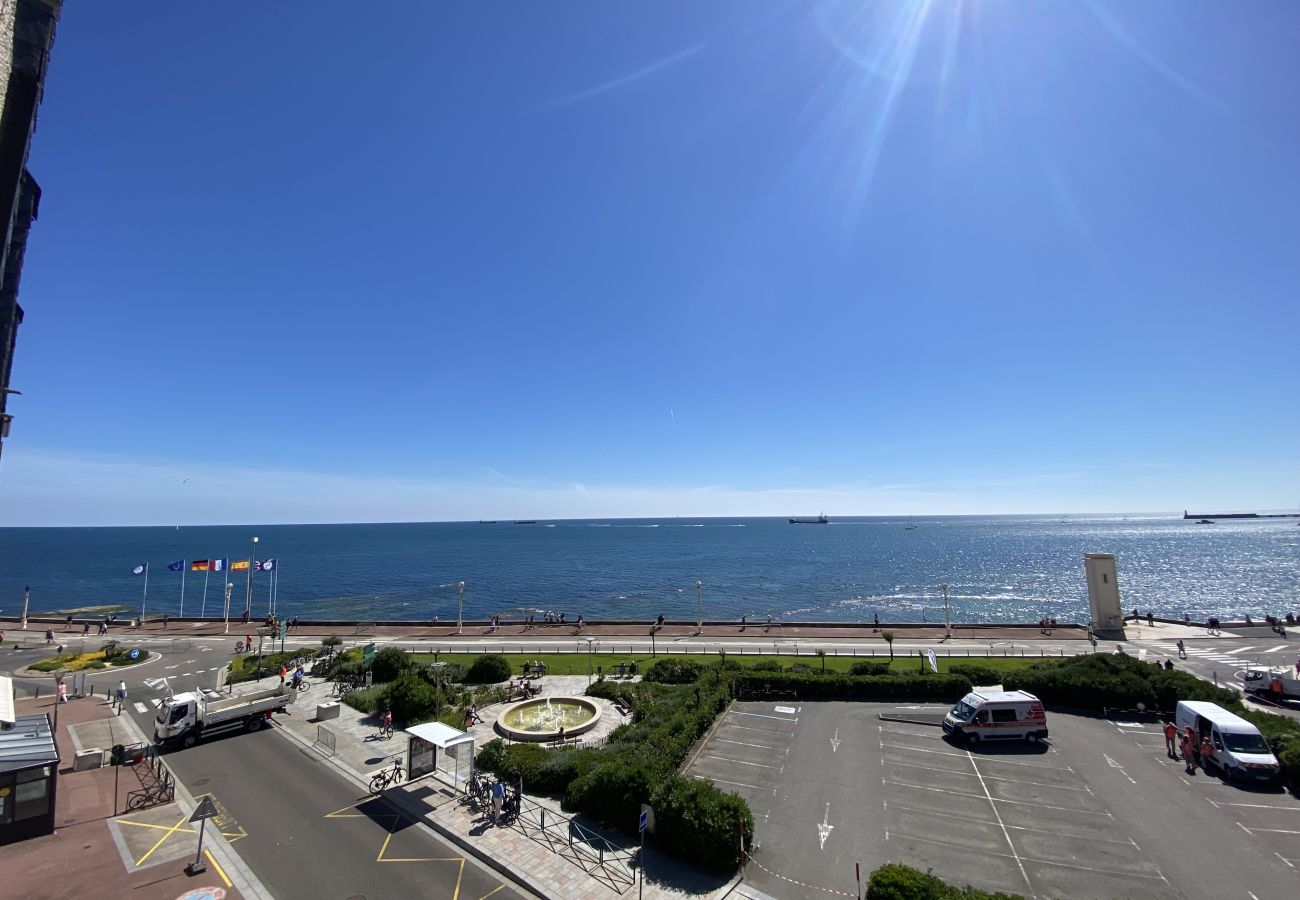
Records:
x=611, y=864
x=325, y=740
x=157, y=783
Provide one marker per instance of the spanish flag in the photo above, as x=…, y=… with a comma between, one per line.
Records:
x=199, y=565
x=239, y=565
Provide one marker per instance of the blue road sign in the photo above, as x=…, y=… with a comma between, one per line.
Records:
x=645, y=820
x=135, y=654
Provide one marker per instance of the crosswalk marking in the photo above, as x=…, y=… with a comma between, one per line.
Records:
x=1238, y=650
x=139, y=707
x=1277, y=648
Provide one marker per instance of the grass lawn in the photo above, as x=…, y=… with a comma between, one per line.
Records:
x=576, y=663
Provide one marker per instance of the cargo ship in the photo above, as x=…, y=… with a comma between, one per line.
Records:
x=804, y=520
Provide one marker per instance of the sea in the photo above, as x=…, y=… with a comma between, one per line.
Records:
x=998, y=568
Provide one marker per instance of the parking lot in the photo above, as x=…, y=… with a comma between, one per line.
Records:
x=1099, y=811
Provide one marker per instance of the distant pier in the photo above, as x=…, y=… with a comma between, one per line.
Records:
x=1245, y=515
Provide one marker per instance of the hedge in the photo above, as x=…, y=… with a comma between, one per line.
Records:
x=674, y=671
x=981, y=675
x=389, y=663
x=1113, y=680
x=698, y=822
x=410, y=698
x=897, y=882
x=862, y=667
x=832, y=686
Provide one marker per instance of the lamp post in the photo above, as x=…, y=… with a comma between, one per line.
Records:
x=590, y=641
x=460, y=605
x=699, y=609
x=438, y=668
x=252, y=558
x=27, y=596
x=947, y=621
x=229, y=586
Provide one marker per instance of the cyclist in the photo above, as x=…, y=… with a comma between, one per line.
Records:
x=386, y=722
x=297, y=677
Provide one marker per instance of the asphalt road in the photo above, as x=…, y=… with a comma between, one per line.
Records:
x=312, y=833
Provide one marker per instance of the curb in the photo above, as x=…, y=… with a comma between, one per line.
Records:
x=398, y=797
x=247, y=883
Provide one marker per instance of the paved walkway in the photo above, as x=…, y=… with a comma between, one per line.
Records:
x=100, y=849
x=535, y=851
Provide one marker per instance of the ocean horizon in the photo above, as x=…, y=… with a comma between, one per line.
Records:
x=1003, y=568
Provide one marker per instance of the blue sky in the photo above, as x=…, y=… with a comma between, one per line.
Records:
x=459, y=261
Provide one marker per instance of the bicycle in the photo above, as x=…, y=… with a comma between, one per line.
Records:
x=385, y=729
x=149, y=797
x=386, y=777
x=479, y=789
x=302, y=684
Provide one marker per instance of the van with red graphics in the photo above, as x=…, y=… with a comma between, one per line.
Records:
x=997, y=716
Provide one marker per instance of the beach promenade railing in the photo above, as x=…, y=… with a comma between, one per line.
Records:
x=612, y=864
x=785, y=647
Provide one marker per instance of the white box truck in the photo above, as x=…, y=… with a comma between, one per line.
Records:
x=186, y=718
x=1238, y=750
x=984, y=715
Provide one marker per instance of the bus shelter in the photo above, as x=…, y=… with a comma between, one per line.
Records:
x=435, y=747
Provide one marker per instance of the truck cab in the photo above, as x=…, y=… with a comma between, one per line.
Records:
x=176, y=720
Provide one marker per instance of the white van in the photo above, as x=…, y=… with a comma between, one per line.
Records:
x=1239, y=751
x=997, y=716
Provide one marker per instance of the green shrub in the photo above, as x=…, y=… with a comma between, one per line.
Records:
x=802, y=667
x=831, y=686
x=490, y=755
x=389, y=663
x=332, y=641
x=699, y=823
x=897, y=882
x=975, y=673
x=411, y=698
x=612, y=793
x=488, y=669
x=1112, y=680
x=862, y=667
x=766, y=665
x=366, y=700
x=674, y=671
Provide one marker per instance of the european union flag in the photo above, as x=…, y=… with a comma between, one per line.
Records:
x=177, y=566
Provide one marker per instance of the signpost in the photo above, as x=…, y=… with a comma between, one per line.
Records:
x=368, y=654
x=640, y=852
x=207, y=810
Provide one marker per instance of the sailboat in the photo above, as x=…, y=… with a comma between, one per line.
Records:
x=909, y=526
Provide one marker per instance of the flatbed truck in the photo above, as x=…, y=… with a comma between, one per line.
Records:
x=187, y=718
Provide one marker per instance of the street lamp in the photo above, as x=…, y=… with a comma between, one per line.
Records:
x=947, y=622
x=460, y=605
x=252, y=558
x=229, y=587
x=699, y=609
x=590, y=641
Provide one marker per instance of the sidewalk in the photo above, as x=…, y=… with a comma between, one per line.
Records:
x=543, y=860
x=95, y=852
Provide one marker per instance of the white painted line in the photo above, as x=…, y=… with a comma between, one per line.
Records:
x=765, y=716
x=743, y=744
x=990, y=759
x=1283, y=858
x=1238, y=650
x=1268, y=830
x=825, y=828
x=997, y=815
x=185, y=675
x=169, y=668
x=763, y=730
x=736, y=783
x=1049, y=833
x=922, y=787
x=786, y=710
x=1045, y=862
x=741, y=762
x=1254, y=805
x=835, y=742
x=155, y=702
x=139, y=707
x=1115, y=765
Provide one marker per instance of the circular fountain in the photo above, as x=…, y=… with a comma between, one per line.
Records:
x=541, y=719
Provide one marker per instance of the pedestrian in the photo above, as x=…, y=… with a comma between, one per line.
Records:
x=283, y=672
x=165, y=618
x=63, y=691
x=67, y=626
x=243, y=620
x=498, y=797
x=1187, y=621
x=875, y=620
x=85, y=628
x=248, y=643
x=743, y=620
x=1151, y=618
x=1182, y=650
x=1169, y=664
x=1189, y=765
x=1171, y=739
x=1136, y=618
x=49, y=635
x=1207, y=751
x=121, y=694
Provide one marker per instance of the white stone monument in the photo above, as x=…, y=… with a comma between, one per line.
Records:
x=1103, y=593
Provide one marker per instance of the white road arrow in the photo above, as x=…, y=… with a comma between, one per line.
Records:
x=835, y=741
x=824, y=829
x=1115, y=765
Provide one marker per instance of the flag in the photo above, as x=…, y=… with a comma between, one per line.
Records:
x=220, y=565
x=267, y=565
x=239, y=565
x=140, y=570
x=934, y=663
x=200, y=565
x=178, y=566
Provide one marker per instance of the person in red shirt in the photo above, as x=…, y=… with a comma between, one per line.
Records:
x=1171, y=740
x=1189, y=765
x=1207, y=751
x=283, y=672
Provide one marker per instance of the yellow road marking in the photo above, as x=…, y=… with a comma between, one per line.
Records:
x=491, y=892
x=222, y=872
x=393, y=820
x=459, y=876
x=175, y=828
x=231, y=836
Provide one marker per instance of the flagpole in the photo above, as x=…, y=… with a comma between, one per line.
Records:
x=203, y=612
x=270, y=584
x=184, y=563
x=275, y=587
x=144, y=603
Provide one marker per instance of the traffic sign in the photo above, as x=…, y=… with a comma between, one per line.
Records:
x=645, y=820
x=135, y=654
x=368, y=653
x=207, y=810
x=284, y=628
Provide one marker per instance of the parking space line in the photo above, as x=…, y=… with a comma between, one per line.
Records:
x=736, y=783
x=1283, y=858
x=1063, y=834
x=926, y=733
x=1030, y=859
x=1069, y=809
x=1009, y=762
x=997, y=815
x=1059, y=787
x=748, y=728
x=743, y=744
x=1276, y=649
x=795, y=720
x=741, y=762
x=1268, y=830
x=1255, y=805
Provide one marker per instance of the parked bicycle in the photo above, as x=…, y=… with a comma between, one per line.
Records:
x=147, y=797
x=479, y=789
x=386, y=777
